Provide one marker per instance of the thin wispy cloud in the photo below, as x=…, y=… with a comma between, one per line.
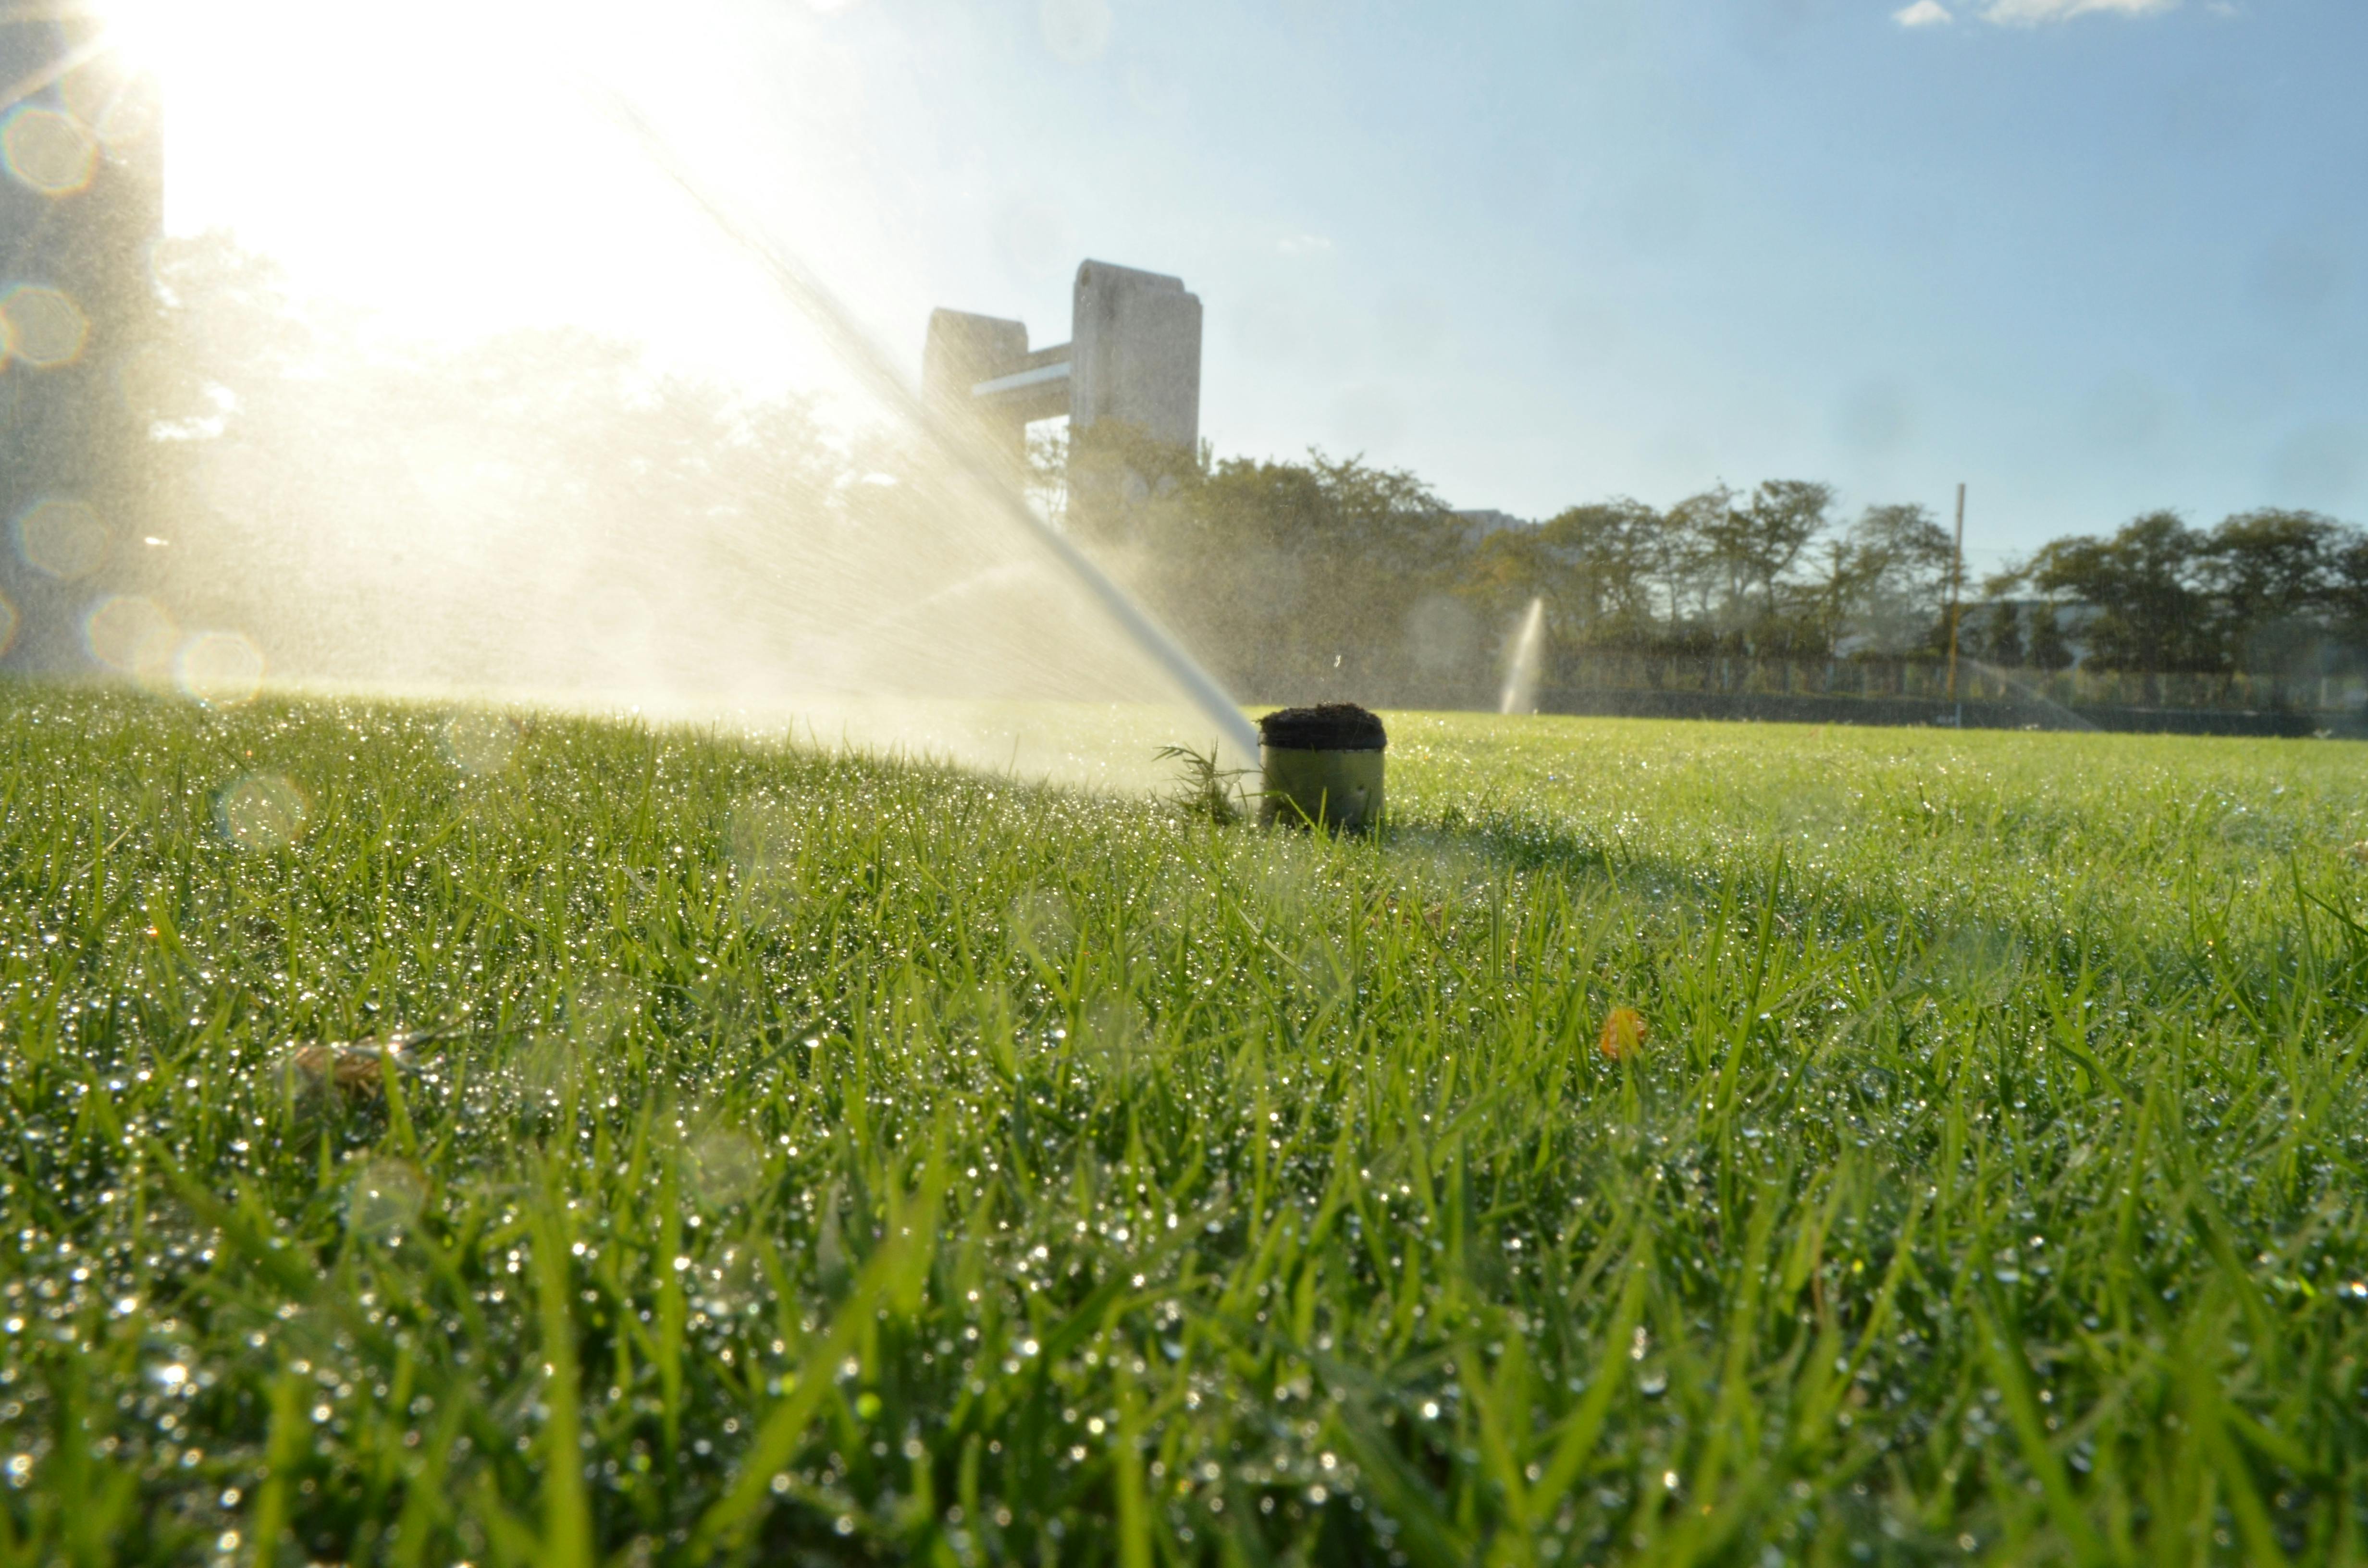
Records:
x=2035, y=13
x=1923, y=14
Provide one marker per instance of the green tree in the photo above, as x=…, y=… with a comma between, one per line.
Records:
x=2272, y=573
x=1997, y=634
x=2050, y=649
x=545, y=509
x=1902, y=560
x=1833, y=590
x=1293, y=579
x=1601, y=562
x=2346, y=591
x=1512, y=566
x=1757, y=543
x=1695, y=575
x=2153, y=612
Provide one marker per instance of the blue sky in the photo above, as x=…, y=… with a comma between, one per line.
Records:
x=2091, y=263
x=2092, y=256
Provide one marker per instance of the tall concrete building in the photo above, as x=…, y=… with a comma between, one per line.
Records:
x=81, y=206
x=1133, y=355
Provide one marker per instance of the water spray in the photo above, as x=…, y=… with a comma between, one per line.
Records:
x=1521, y=693
x=876, y=372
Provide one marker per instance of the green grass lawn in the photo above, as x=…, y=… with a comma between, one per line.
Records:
x=835, y=1161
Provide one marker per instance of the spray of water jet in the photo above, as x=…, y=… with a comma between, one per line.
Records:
x=859, y=354
x=2023, y=688
x=504, y=505
x=1525, y=663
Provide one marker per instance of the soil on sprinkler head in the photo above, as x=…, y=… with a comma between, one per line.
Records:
x=1333, y=726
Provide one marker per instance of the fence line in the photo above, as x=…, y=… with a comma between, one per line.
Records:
x=1737, y=676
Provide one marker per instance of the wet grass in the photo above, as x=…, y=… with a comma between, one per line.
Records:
x=836, y=1162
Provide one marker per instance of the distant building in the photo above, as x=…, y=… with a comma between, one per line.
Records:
x=2073, y=619
x=1133, y=355
x=1479, y=523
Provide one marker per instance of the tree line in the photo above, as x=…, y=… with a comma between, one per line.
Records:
x=1290, y=567
x=2263, y=591
x=402, y=499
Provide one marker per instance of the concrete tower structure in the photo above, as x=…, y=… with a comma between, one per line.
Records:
x=1133, y=355
x=81, y=207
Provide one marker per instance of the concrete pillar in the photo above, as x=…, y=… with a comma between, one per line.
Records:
x=1135, y=353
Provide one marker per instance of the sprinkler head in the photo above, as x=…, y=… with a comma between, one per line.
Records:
x=1322, y=766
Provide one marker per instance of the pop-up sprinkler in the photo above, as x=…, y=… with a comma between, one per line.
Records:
x=1322, y=766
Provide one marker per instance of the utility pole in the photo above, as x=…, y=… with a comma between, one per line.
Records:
x=1956, y=594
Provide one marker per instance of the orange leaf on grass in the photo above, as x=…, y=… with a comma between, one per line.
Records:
x=1623, y=1033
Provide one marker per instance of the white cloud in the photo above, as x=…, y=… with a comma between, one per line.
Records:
x=2032, y=12
x=1303, y=245
x=1923, y=14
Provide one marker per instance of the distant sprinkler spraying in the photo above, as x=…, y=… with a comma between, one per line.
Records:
x=1521, y=694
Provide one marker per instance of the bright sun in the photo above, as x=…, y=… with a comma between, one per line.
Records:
x=440, y=163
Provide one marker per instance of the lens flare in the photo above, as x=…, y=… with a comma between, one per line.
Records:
x=64, y=539
x=119, y=107
x=479, y=743
x=549, y=1067
x=725, y=1166
x=220, y=669
x=1076, y=32
x=263, y=811
x=49, y=149
x=600, y=1009
x=763, y=837
x=475, y=537
x=385, y=1197
x=133, y=635
x=46, y=328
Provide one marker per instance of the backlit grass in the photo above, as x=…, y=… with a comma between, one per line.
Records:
x=835, y=1161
